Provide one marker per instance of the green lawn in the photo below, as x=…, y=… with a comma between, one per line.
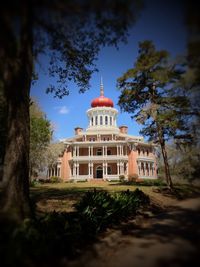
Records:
x=62, y=196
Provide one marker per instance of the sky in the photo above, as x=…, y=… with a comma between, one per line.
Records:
x=160, y=21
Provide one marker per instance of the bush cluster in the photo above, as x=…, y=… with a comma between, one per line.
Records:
x=56, y=237
x=99, y=209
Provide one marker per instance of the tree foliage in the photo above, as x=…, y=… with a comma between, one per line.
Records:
x=54, y=150
x=40, y=137
x=71, y=33
x=150, y=91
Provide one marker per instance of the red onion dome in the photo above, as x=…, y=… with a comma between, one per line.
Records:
x=102, y=101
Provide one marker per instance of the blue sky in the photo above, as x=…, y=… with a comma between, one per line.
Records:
x=160, y=21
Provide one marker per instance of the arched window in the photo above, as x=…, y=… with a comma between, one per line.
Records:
x=96, y=120
x=147, y=152
x=138, y=151
x=110, y=120
x=106, y=120
x=101, y=120
x=92, y=121
x=99, y=172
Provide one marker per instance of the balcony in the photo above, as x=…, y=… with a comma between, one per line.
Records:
x=146, y=158
x=100, y=157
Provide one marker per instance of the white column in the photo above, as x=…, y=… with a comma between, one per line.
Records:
x=74, y=169
x=103, y=169
x=118, y=168
x=106, y=151
x=92, y=170
x=89, y=151
x=121, y=168
x=106, y=168
x=78, y=151
x=92, y=151
x=127, y=168
x=78, y=169
x=103, y=151
x=89, y=169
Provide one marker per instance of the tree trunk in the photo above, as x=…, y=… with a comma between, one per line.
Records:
x=165, y=159
x=16, y=163
x=167, y=170
x=16, y=75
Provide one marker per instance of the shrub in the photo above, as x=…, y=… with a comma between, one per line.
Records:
x=152, y=182
x=98, y=209
x=34, y=183
x=53, y=236
x=55, y=179
x=133, y=177
x=95, y=209
x=121, y=178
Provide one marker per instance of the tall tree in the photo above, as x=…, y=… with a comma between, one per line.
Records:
x=3, y=130
x=147, y=91
x=40, y=137
x=71, y=32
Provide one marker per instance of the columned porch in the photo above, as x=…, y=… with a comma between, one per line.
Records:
x=98, y=170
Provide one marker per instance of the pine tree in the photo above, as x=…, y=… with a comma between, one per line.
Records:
x=150, y=93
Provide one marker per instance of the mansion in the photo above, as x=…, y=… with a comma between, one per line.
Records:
x=104, y=150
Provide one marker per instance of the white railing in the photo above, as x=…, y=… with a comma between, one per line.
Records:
x=108, y=177
x=100, y=157
x=146, y=158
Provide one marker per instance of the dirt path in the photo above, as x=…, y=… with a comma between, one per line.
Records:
x=167, y=239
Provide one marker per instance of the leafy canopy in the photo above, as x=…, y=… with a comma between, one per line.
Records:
x=40, y=137
x=151, y=93
x=70, y=33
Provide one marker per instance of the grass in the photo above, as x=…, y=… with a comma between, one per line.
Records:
x=63, y=196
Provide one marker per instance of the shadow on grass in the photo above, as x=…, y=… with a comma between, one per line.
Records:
x=179, y=192
x=39, y=193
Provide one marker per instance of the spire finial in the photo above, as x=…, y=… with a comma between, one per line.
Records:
x=101, y=87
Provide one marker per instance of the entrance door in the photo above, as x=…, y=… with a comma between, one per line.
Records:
x=99, y=172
